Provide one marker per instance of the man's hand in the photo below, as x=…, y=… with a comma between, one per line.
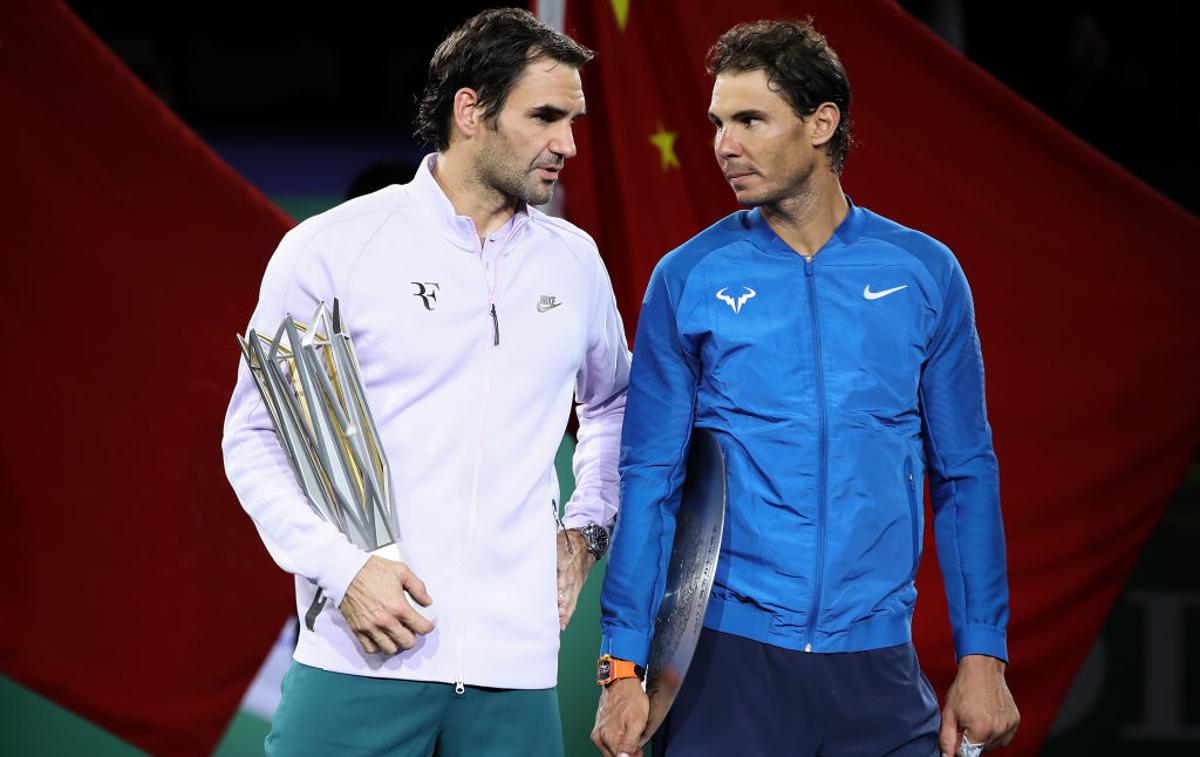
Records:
x=979, y=705
x=377, y=610
x=621, y=718
x=574, y=562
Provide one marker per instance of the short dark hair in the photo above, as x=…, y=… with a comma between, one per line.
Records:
x=799, y=64
x=488, y=53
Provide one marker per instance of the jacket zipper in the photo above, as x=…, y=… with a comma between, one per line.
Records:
x=468, y=561
x=910, y=483
x=491, y=287
x=822, y=456
x=560, y=527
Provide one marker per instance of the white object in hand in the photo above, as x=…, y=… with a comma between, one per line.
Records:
x=969, y=748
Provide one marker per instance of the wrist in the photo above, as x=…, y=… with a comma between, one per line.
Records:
x=982, y=662
x=594, y=537
x=611, y=669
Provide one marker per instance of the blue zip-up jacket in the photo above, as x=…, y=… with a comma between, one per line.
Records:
x=833, y=385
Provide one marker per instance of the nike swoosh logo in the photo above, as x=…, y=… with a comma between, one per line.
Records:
x=542, y=307
x=876, y=295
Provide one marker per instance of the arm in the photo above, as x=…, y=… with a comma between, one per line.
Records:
x=600, y=388
x=964, y=484
x=654, y=444
x=298, y=539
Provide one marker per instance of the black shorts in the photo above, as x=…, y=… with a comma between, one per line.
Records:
x=746, y=698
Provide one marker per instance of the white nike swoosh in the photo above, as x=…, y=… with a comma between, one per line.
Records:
x=876, y=295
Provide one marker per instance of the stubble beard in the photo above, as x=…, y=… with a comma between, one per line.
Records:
x=797, y=192
x=499, y=170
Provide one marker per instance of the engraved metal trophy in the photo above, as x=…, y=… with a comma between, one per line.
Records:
x=694, y=555
x=310, y=382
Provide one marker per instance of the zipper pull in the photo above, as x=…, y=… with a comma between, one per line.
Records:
x=561, y=526
x=808, y=266
x=495, y=327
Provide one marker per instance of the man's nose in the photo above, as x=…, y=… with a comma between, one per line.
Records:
x=564, y=142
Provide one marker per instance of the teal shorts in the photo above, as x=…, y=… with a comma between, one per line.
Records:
x=324, y=713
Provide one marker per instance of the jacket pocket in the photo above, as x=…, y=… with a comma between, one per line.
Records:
x=910, y=484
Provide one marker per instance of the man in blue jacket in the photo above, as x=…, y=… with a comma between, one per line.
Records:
x=834, y=354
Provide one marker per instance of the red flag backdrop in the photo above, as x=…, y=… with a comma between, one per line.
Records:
x=135, y=593
x=1082, y=279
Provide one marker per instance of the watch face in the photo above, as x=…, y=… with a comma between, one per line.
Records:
x=597, y=539
x=604, y=670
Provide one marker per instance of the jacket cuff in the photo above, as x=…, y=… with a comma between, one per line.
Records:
x=579, y=512
x=339, y=570
x=625, y=644
x=980, y=639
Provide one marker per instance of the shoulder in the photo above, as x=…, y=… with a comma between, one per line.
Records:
x=568, y=238
x=351, y=222
x=677, y=265
x=920, y=248
x=562, y=231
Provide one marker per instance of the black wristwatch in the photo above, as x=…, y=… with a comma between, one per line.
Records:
x=596, y=538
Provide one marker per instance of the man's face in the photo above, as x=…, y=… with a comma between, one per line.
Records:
x=524, y=148
x=764, y=149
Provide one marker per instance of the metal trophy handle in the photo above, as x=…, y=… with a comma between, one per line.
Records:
x=694, y=555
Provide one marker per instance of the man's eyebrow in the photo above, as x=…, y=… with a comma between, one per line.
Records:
x=743, y=114
x=548, y=112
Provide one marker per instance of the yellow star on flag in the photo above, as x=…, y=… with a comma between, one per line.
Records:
x=621, y=9
x=665, y=142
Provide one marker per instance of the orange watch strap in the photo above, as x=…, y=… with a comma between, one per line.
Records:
x=611, y=669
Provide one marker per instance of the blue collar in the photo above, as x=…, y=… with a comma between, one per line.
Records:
x=762, y=236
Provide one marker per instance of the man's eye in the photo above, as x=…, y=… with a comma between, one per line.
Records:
x=749, y=121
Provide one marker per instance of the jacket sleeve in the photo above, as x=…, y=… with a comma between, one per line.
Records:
x=964, y=477
x=654, y=445
x=298, y=539
x=600, y=387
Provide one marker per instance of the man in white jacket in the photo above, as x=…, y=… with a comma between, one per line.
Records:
x=475, y=318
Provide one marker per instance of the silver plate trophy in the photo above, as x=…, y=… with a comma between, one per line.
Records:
x=310, y=382
x=694, y=555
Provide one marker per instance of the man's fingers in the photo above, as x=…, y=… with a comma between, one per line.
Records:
x=948, y=736
x=400, y=636
x=413, y=620
x=1009, y=734
x=628, y=742
x=416, y=588
x=382, y=642
x=364, y=640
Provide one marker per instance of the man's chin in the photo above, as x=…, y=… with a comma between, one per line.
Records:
x=540, y=195
x=747, y=199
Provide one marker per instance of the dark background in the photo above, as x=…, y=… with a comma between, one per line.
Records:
x=300, y=99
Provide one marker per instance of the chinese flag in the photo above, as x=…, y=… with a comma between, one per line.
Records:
x=135, y=592
x=1083, y=280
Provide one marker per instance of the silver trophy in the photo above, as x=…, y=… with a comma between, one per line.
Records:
x=311, y=384
x=693, y=565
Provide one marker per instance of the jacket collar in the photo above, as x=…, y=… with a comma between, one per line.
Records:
x=765, y=238
x=457, y=229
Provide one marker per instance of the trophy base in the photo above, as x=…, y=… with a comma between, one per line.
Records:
x=396, y=553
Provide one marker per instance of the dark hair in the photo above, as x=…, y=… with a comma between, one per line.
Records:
x=488, y=53
x=799, y=64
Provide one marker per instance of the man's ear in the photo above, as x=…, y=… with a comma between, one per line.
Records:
x=467, y=115
x=823, y=123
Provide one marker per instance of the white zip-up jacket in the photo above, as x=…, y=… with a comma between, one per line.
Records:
x=471, y=409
